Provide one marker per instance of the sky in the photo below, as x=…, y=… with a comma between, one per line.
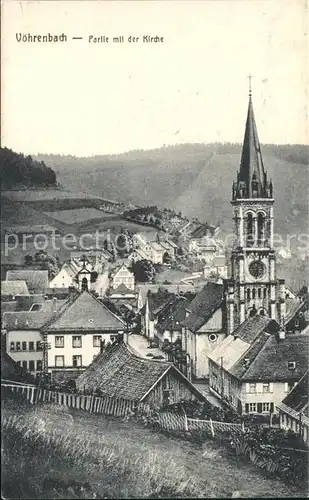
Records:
x=83, y=98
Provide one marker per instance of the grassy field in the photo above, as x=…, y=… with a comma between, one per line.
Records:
x=79, y=215
x=51, y=452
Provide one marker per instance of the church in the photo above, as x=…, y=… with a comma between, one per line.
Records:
x=252, y=289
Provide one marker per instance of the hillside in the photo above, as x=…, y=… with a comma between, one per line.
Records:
x=17, y=170
x=195, y=179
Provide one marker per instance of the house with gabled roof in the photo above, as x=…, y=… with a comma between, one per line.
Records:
x=9, y=289
x=122, y=276
x=23, y=332
x=36, y=280
x=120, y=372
x=204, y=327
x=168, y=326
x=155, y=303
x=255, y=367
x=76, y=334
x=294, y=409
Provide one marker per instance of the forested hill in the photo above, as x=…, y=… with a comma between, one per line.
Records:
x=17, y=170
x=195, y=179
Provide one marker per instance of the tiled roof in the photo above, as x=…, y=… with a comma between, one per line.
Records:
x=36, y=280
x=83, y=312
x=241, y=365
x=11, y=371
x=295, y=306
x=26, y=301
x=175, y=314
x=174, y=288
x=123, y=290
x=205, y=304
x=156, y=301
x=25, y=320
x=121, y=372
x=228, y=352
x=157, y=246
x=271, y=362
x=8, y=306
x=298, y=398
x=203, y=230
x=251, y=328
x=13, y=287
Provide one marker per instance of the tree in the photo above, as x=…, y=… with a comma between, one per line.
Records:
x=143, y=270
x=94, y=277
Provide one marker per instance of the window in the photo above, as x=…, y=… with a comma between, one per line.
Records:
x=77, y=361
x=265, y=293
x=266, y=388
x=38, y=346
x=113, y=338
x=291, y=365
x=31, y=366
x=212, y=337
x=17, y=346
x=18, y=363
x=76, y=341
x=24, y=365
x=252, y=407
x=259, y=293
x=265, y=407
x=31, y=346
x=248, y=294
x=39, y=365
x=252, y=388
x=12, y=346
x=59, y=361
x=289, y=386
x=97, y=340
x=24, y=346
x=59, y=341
x=253, y=293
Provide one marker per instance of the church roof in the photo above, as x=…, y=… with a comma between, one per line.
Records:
x=251, y=179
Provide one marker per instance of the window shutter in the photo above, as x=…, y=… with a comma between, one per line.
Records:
x=271, y=387
x=271, y=407
x=247, y=387
x=259, y=408
x=259, y=388
x=247, y=408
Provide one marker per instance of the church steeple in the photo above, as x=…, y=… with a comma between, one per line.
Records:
x=251, y=178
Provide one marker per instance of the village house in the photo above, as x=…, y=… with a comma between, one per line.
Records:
x=9, y=289
x=124, y=296
x=121, y=373
x=23, y=334
x=202, y=242
x=168, y=326
x=216, y=267
x=66, y=277
x=297, y=317
x=255, y=367
x=98, y=258
x=122, y=276
x=154, y=248
x=294, y=409
x=76, y=332
x=204, y=327
x=154, y=305
x=13, y=372
x=36, y=280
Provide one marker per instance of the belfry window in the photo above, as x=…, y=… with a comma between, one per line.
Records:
x=248, y=294
x=253, y=293
x=260, y=228
x=249, y=230
x=265, y=293
x=259, y=293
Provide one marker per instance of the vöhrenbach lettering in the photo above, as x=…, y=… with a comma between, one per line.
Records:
x=151, y=39
x=49, y=38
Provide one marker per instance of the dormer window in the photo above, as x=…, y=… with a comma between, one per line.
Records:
x=291, y=365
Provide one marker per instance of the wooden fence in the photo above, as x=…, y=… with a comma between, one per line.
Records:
x=166, y=420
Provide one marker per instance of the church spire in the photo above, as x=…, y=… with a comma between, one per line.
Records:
x=251, y=179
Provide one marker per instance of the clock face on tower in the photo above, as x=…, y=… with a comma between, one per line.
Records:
x=257, y=269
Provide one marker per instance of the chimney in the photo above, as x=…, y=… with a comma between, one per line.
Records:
x=54, y=304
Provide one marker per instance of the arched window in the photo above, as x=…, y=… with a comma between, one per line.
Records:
x=260, y=228
x=262, y=312
x=84, y=284
x=249, y=229
x=265, y=293
x=259, y=293
x=253, y=293
x=248, y=294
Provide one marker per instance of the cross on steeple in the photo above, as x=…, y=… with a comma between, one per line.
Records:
x=250, y=89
